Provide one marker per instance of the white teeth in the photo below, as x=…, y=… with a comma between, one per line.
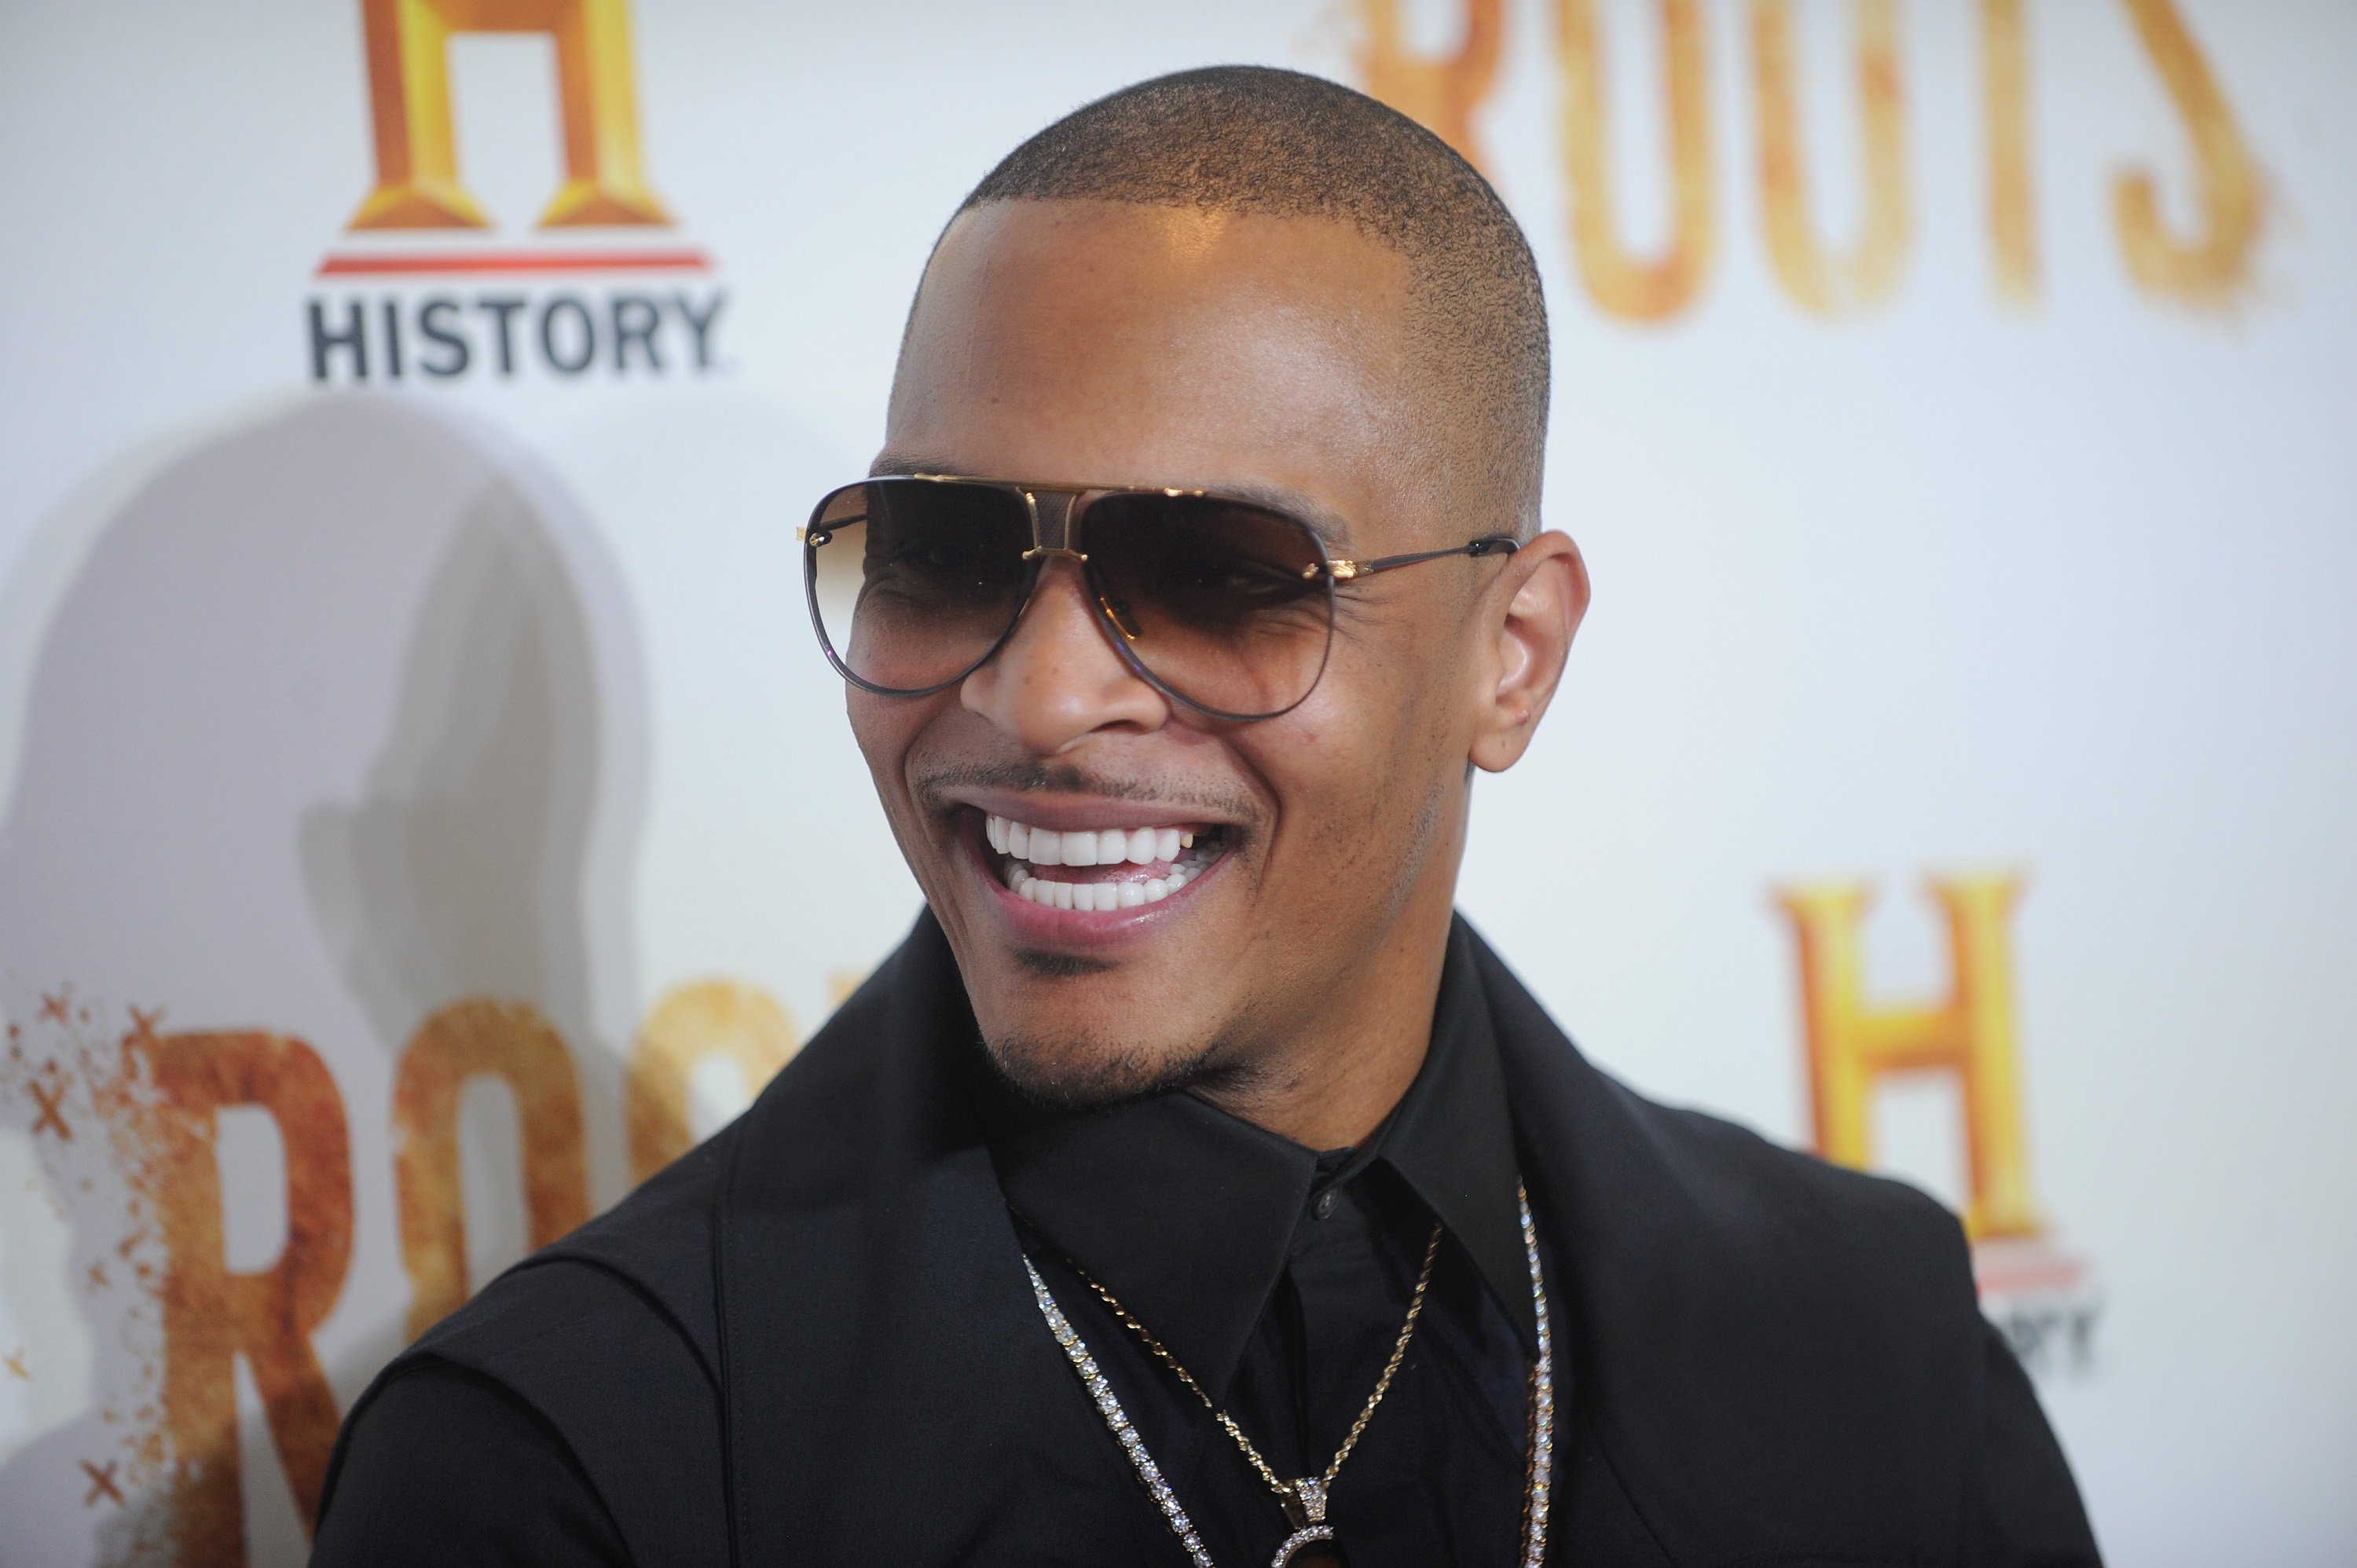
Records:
x=1028, y=847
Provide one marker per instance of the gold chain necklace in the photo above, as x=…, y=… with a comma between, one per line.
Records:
x=1312, y=1541
x=1304, y=1500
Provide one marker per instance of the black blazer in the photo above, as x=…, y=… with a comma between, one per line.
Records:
x=811, y=1340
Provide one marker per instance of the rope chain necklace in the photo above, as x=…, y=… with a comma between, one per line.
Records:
x=1304, y=1500
x=1312, y=1541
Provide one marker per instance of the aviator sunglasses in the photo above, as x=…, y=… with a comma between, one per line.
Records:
x=1227, y=605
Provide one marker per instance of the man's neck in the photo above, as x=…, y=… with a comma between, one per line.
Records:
x=1334, y=1080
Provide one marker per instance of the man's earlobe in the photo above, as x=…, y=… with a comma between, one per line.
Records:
x=1536, y=611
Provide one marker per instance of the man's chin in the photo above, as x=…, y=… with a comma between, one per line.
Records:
x=1077, y=1074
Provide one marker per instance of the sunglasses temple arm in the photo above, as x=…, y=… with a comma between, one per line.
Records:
x=1488, y=544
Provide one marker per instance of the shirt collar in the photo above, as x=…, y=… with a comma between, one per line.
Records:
x=1453, y=1139
x=1185, y=1213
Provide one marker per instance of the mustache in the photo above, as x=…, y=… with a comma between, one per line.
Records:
x=931, y=781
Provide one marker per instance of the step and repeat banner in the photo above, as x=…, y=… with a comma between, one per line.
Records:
x=424, y=811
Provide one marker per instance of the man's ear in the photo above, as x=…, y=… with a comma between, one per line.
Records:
x=1531, y=613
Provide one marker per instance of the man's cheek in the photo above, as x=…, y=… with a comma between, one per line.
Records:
x=886, y=730
x=883, y=759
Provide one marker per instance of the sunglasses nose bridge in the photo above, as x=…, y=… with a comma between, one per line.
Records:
x=1052, y=516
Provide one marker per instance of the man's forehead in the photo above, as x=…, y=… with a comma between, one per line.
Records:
x=1111, y=343
x=1145, y=291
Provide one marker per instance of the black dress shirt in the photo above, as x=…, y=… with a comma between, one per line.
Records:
x=1279, y=1277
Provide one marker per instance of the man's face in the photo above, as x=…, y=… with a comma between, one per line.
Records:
x=1108, y=344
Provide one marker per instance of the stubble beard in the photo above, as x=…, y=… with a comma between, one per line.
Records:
x=1079, y=1073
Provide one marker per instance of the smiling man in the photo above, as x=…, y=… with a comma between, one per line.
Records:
x=1192, y=1186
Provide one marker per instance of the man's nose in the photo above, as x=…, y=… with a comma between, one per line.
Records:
x=1057, y=681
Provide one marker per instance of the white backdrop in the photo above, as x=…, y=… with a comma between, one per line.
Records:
x=325, y=704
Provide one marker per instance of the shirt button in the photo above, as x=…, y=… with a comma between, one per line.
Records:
x=1324, y=1207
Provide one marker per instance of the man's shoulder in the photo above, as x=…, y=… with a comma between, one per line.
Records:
x=617, y=1316
x=1792, y=1205
x=643, y=1266
x=626, y=1297
x=1866, y=1279
x=1682, y=1180
x=648, y=1265
x=626, y=1314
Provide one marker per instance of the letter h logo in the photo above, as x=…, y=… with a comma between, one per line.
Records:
x=416, y=147
x=1853, y=1045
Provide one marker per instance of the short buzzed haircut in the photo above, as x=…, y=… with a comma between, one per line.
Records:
x=1254, y=139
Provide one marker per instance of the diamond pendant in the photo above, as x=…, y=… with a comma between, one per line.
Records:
x=1311, y=1544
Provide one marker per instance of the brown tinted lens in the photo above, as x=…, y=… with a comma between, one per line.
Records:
x=913, y=581
x=1221, y=601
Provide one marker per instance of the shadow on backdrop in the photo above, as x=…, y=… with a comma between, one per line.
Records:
x=327, y=799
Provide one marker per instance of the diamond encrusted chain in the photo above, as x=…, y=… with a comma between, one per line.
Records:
x=1117, y=1420
x=1542, y=1466
x=1305, y=1499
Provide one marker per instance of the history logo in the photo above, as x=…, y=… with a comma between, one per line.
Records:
x=424, y=288
x=2043, y=1297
